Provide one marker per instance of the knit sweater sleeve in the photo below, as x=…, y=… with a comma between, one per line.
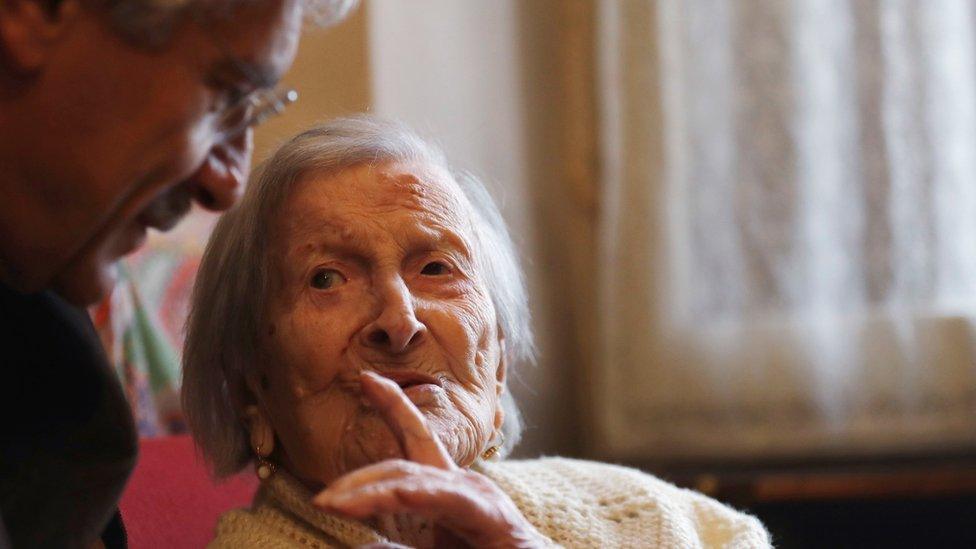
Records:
x=282, y=516
x=267, y=529
x=586, y=504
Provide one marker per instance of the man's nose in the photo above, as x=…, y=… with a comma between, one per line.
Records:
x=396, y=328
x=219, y=181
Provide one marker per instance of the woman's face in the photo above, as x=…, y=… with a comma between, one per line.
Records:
x=376, y=270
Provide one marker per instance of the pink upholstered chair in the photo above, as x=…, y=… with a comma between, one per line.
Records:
x=171, y=500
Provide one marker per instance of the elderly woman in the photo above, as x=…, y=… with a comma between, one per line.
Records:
x=354, y=323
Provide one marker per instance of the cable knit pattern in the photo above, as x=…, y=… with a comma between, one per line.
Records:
x=587, y=504
x=282, y=517
x=574, y=503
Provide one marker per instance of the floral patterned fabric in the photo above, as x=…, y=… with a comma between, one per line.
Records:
x=141, y=323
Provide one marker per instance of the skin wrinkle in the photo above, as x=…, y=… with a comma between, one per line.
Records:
x=466, y=433
x=378, y=227
x=365, y=439
x=348, y=234
x=347, y=250
x=454, y=360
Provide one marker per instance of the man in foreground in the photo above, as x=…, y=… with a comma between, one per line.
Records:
x=115, y=115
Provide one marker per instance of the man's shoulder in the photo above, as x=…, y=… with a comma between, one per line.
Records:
x=39, y=327
x=71, y=438
x=55, y=372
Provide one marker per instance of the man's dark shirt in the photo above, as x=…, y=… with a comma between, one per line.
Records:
x=68, y=443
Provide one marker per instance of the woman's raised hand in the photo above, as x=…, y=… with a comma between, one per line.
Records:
x=428, y=483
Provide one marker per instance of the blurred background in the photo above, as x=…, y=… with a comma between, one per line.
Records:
x=748, y=228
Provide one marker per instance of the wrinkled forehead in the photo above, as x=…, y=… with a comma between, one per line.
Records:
x=392, y=196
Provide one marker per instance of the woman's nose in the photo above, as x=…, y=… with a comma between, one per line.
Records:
x=396, y=329
x=219, y=181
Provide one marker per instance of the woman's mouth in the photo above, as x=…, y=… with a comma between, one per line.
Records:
x=420, y=388
x=406, y=379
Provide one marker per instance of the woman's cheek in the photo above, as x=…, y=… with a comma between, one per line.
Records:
x=467, y=430
x=476, y=319
x=321, y=332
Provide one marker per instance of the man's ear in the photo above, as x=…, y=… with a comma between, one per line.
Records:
x=262, y=434
x=29, y=29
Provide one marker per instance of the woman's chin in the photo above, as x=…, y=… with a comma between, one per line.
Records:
x=369, y=440
x=367, y=445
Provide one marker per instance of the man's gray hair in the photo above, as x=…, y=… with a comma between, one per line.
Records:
x=233, y=286
x=151, y=22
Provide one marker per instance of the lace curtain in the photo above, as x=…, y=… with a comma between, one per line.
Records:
x=789, y=227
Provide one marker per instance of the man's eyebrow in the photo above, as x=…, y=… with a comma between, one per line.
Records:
x=260, y=76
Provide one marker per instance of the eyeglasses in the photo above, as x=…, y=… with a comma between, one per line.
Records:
x=255, y=108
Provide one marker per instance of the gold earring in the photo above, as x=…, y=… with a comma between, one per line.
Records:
x=265, y=467
x=494, y=449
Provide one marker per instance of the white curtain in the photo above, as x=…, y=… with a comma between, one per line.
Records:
x=788, y=239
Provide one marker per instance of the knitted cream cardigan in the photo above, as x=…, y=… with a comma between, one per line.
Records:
x=573, y=503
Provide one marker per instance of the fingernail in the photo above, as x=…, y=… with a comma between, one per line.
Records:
x=334, y=502
x=341, y=499
x=323, y=498
x=376, y=378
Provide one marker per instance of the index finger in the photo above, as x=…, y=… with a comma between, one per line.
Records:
x=419, y=443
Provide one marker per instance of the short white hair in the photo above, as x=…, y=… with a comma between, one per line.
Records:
x=231, y=293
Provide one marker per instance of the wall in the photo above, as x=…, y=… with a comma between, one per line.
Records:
x=331, y=73
x=490, y=81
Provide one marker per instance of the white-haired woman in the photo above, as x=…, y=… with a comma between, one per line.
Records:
x=354, y=323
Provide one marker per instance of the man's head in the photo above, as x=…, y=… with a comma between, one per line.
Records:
x=115, y=118
x=151, y=22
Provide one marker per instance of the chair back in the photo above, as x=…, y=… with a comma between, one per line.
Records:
x=172, y=502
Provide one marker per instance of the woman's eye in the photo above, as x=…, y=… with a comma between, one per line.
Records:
x=435, y=268
x=327, y=279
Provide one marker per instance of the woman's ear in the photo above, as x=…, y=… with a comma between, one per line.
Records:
x=29, y=30
x=500, y=375
x=262, y=434
x=501, y=371
x=499, y=417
